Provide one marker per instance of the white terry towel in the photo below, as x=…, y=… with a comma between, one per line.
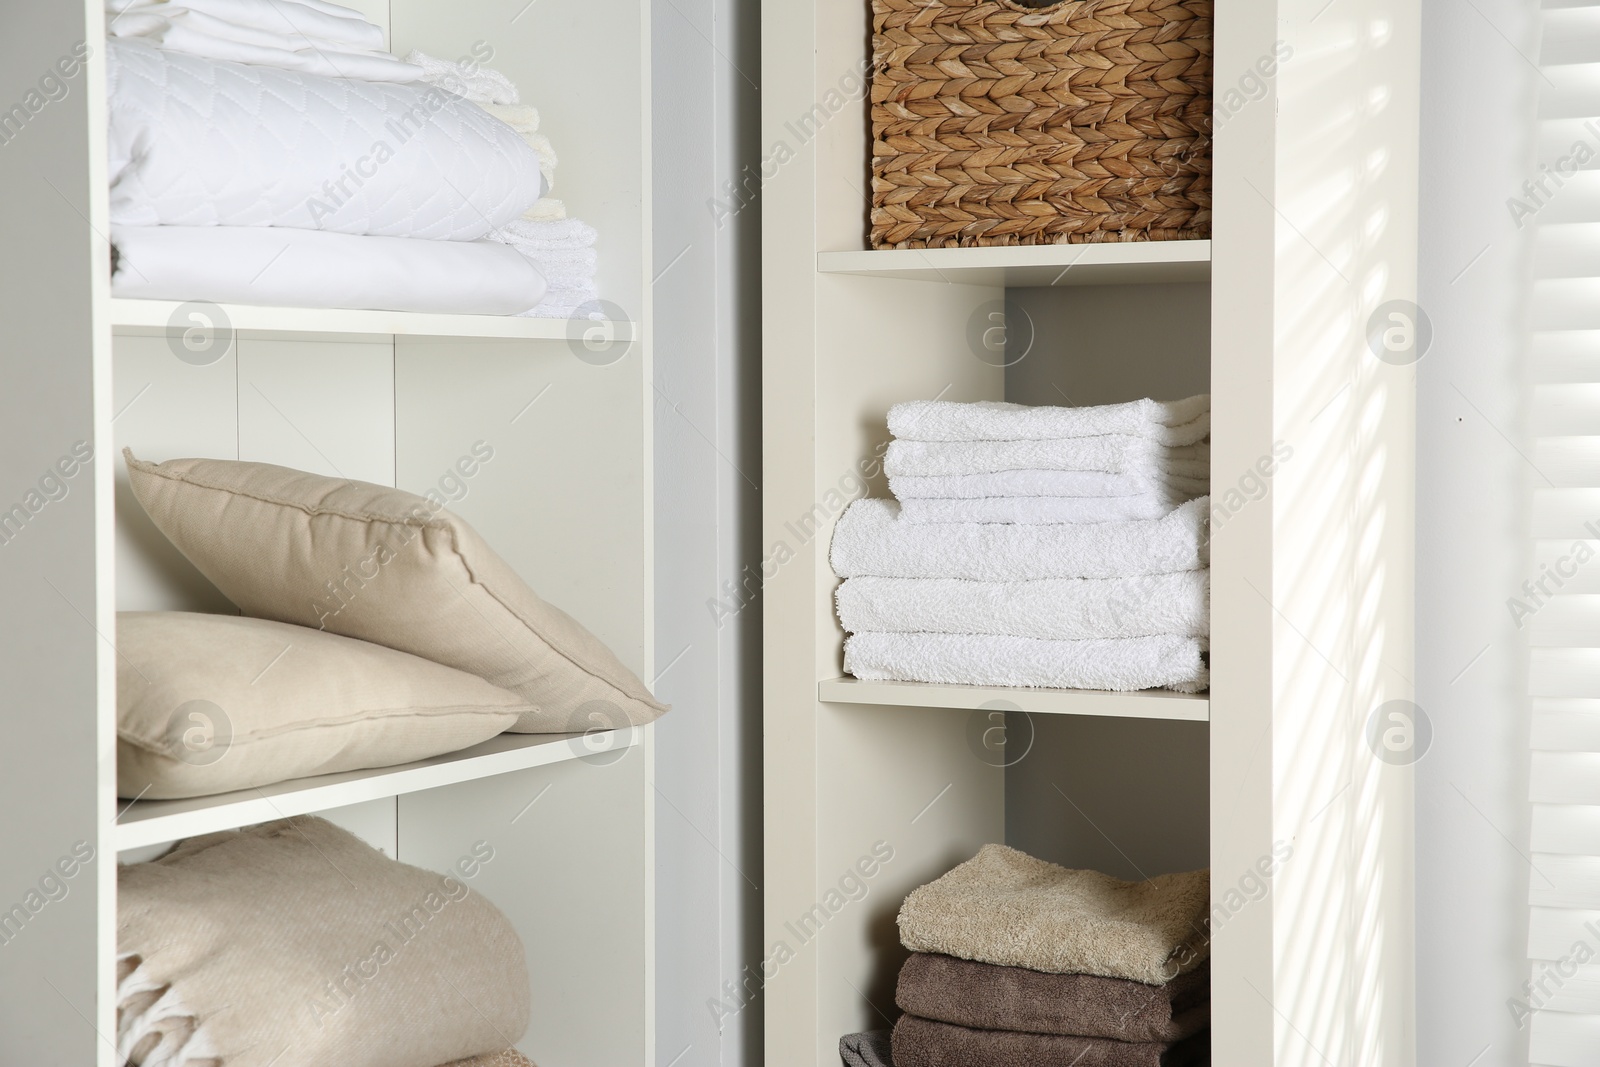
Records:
x=555, y=235
x=476, y=83
x=1171, y=422
x=1051, y=609
x=1041, y=483
x=196, y=34
x=300, y=18
x=1122, y=664
x=871, y=539
x=1039, y=510
x=1111, y=454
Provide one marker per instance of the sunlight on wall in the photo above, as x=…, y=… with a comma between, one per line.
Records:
x=1342, y=520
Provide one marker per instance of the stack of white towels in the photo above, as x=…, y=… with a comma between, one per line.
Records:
x=271, y=152
x=1034, y=546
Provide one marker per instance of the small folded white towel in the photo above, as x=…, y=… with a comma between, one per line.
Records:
x=1171, y=422
x=871, y=539
x=476, y=83
x=550, y=236
x=1111, y=454
x=1038, y=510
x=578, y=303
x=1040, y=483
x=193, y=33
x=323, y=21
x=1052, y=609
x=1121, y=665
x=525, y=120
x=546, y=210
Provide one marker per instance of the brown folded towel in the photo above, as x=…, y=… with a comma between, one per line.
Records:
x=925, y=1043
x=505, y=1058
x=1006, y=907
x=988, y=997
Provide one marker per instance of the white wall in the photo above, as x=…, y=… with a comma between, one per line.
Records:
x=1479, y=89
x=708, y=464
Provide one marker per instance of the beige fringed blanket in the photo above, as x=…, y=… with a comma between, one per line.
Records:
x=1008, y=908
x=294, y=944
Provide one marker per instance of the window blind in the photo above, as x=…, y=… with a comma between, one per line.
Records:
x=1558, y=606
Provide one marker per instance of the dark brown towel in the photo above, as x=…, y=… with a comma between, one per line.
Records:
x=925, y=1043
x=870, y=1049
x=989, y=997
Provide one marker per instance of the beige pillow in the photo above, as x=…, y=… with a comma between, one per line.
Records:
x=389, y=567
x=213, y=703
x=296, y=945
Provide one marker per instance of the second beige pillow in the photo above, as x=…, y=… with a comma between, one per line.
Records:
x=212, y=703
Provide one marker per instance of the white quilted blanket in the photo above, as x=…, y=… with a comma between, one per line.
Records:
x=203, y=142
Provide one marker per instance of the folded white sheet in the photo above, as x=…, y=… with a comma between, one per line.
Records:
x=310, y=18
x=204, y=142
x=309, y=268
x=1038, y=510
x=181, y=34
x=1122, y=665
x=1110, y=453
x=871, y=539
x=1052, y=609
x=186, y=31
x=1173, y=422
x=1040, y=483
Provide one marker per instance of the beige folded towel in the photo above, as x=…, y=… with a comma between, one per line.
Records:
x=294, y=944
x=504, y=1058
x=1008, y=908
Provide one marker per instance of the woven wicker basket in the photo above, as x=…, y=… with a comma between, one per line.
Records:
x=999, y=124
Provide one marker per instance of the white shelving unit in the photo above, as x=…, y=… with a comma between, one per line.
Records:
x=1032, y=265
x=1151, y=704
x=142, y=823
x=135, y=318
x=375, y=396
x=1315, y=198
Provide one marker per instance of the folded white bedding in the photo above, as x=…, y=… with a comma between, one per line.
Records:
x=568, y=303
x=310, y=18
x=1040, y=483
x=1053, y=609
x=1038, y=509
x=308, y=268
x=198, y=34
x=872, y=539
x=203, y=142
x=1122, y=665
x=1173, y=422
x=1110, y=454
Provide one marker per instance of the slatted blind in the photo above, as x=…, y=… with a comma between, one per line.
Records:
x=1559, y=608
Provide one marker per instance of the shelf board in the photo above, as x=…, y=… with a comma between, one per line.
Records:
x=1145, y=704
x=1122, y=263
x=154, y=822
x=156, y=317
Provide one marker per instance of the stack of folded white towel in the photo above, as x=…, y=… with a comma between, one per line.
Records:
x=1034, y=546
x=271, y=152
